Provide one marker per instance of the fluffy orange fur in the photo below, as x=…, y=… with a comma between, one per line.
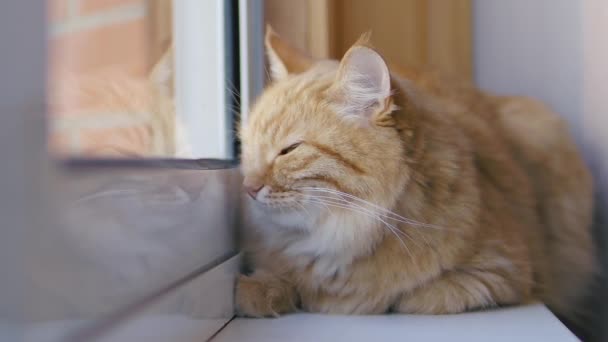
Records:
x=377, y=191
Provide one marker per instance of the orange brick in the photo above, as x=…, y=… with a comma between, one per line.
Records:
x=122, y=45
x=104, y=91
x=60, y=143
x=57, y=10
x=116, y=142
x=93, y=6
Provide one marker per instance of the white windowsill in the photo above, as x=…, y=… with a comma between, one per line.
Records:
x=530, y=323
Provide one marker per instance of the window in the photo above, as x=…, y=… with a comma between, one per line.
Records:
x=108, y=216
x=145, y=78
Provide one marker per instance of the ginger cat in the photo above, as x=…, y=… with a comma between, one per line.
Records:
x=374, y=191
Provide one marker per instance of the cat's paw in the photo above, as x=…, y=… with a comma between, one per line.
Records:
x=262, y=297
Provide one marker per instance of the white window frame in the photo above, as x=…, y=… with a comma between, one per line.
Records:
x=251, y=53
x=200, y=77
x=203, y=91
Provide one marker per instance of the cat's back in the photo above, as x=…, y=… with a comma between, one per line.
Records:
x=539, y=143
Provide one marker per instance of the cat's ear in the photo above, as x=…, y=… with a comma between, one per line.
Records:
x=283, y=58
x=163, y=73
x=362, y=89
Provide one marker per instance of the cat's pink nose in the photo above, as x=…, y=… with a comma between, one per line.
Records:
x=253, y=190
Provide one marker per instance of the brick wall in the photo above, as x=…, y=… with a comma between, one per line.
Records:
x=95, y=44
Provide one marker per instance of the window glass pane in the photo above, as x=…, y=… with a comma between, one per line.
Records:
x=112, y=71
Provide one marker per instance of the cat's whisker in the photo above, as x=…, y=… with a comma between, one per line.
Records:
x=389, y=226
x=267, y=73
x=343, y=194
x=304, y=208
x=322, y=206
x=345, y=202
x=382, y=213
x=325, y=205
x=388, y=213
x=234, y=93
x=376, y=215
x=233, y=109
x=403, y=244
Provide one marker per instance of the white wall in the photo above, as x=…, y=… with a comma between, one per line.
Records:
x=595, y=121
x=557, y=51
x=531, y=48
x=595, y=75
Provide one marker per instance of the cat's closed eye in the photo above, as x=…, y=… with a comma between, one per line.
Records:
x=290, y=148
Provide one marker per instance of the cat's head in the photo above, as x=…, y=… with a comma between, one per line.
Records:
x=321, y=134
